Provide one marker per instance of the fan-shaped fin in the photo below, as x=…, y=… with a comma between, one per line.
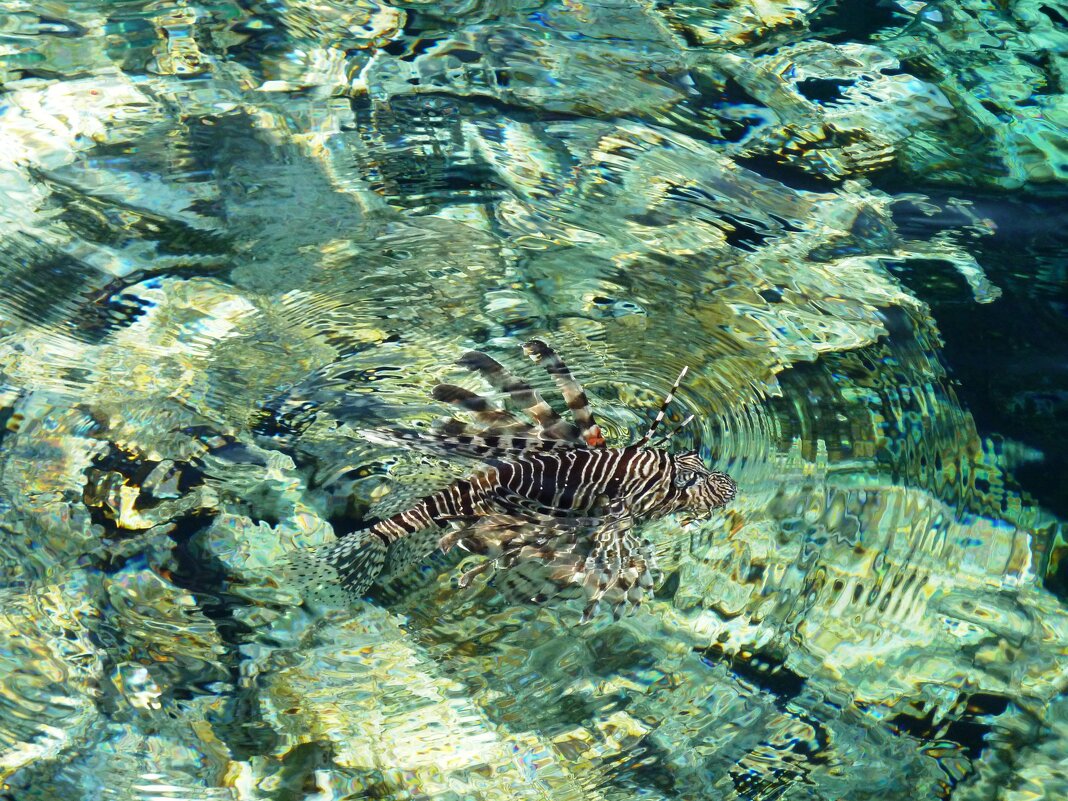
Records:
x=340, y=571
x=544, y=556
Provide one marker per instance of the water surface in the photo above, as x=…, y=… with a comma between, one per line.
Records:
x=233, y=234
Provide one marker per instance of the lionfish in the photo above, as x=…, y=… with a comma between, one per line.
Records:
x=550, y=492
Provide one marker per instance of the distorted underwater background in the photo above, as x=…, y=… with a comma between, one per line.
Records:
x=234, y=233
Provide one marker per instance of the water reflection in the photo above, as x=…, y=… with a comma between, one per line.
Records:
x=233, y=235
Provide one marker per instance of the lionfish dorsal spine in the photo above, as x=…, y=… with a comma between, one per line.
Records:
x=574, y=395
x=521, y=393
x=483, y=410
x=663, y=409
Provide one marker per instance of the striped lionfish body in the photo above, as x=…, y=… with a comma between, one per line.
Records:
x=551, y=492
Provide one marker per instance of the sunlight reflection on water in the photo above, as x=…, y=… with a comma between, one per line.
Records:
x=233, y=235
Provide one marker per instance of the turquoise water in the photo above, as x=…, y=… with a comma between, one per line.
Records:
x=234, y=235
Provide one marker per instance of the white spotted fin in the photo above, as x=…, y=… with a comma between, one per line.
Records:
x=337, y=573
x=486, y=449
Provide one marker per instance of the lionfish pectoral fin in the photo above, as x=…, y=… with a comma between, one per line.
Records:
x=619, y=570
x=339, y=571
x=590, y=612
x=537, y=557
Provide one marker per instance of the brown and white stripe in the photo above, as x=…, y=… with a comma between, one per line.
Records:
x=556, y=482
x=551, y=491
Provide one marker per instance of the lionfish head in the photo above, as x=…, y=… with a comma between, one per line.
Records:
x=697, y=489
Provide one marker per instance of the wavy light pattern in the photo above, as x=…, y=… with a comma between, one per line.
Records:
x=232, y=234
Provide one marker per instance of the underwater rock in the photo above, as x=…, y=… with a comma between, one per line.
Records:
x=52, y=670
x=842, y=110
x=522, y=65
x=402, y=726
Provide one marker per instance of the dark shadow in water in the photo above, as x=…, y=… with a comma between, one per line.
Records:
x=1010, y=357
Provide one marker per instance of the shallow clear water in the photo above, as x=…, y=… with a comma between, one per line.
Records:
x=233, y=234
